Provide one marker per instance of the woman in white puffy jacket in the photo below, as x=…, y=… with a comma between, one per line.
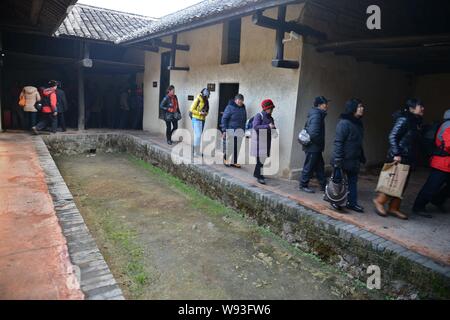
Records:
x=31, y=95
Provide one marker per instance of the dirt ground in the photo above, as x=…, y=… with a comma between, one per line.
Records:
x=164, y=240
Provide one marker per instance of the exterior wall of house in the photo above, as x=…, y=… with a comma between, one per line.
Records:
x=340, y=78
x=257, y=78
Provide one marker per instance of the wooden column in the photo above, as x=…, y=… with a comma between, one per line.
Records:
x=280, y=33
x=81, y=90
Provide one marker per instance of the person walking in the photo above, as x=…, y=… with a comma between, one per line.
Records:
x=348, y=153
x=30, y=96
x=49, y=109
x=263, y=123
x=314, y=163
x=404, y=141
x=233, y=127
x=436, y=188
x=199, y=111
x=171, y=113
x=62, y=106
x=137, y=107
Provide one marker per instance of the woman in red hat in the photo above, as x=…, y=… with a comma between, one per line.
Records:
x=263, y=123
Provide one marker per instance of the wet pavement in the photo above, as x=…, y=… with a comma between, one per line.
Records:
x=34, y=260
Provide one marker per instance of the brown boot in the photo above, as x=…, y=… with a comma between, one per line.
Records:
x=379, y=203
x=394, y=209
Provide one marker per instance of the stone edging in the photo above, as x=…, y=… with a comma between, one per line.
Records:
x=96, y=279
x=345, y=245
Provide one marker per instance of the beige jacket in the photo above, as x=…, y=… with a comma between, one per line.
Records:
x=32, y=96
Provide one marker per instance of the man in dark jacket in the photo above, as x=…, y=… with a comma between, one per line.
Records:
x=233, y=126
x=315, y=126
x=348, y=151
x=62, y=106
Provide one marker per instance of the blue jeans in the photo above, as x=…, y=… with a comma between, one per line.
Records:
x=198, y=126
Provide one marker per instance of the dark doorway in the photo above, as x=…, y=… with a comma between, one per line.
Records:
x=227, y=92
x=164, y=82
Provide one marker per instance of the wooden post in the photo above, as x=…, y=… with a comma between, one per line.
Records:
x=81, y=90
x=173, y=52
x=280, y=33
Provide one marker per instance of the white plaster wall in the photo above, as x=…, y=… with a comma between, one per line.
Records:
x=257, y=78
x=340, y=78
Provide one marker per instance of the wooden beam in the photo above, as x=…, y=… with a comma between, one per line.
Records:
x=286, y=64
x=287, y=26
x=173, y=56
x=393, y=42
x=35, y=12
x=280, y=33
x=162, y=44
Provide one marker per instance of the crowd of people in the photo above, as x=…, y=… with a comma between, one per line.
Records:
x=406, y=143
x=45, y=108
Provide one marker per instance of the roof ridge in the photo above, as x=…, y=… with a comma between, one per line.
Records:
x=88, y=6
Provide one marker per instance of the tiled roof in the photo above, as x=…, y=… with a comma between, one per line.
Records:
x=96, y=23
x=202, y=11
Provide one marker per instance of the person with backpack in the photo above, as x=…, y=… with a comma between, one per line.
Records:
x=404, y=140
x=199, y=111
x=314, y=163
x=233, y=125
x=171, y=113
x=348, y=153
x=49, y=109
x=262, y=126
x=436, y=188
x=29, y=97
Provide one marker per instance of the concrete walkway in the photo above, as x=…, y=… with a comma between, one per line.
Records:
x=429, y=237
x=34, y=260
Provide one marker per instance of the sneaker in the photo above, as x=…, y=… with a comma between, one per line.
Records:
x=237, y=166
x=355, y=208
x=35, y=131
x=307, y=190
x=226, y=163
x=422, y=212
x=336, y=207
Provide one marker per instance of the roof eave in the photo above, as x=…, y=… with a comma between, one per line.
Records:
x=240, y=12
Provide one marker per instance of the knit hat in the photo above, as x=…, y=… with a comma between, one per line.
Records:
x=352, y=105
x=205, y=92
x=447, y=115
x=267, y=104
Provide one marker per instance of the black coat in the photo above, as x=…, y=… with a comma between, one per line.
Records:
x=405, y=137
x=315, y=126
x=234, y=117
x=61, y=101
x=348, y=144
x=165, y=105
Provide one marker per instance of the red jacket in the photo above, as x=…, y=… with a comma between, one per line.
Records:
x=442, y=163
x=49, y=96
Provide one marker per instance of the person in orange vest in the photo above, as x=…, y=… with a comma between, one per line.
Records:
x=49, y=112
x=437, y=188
